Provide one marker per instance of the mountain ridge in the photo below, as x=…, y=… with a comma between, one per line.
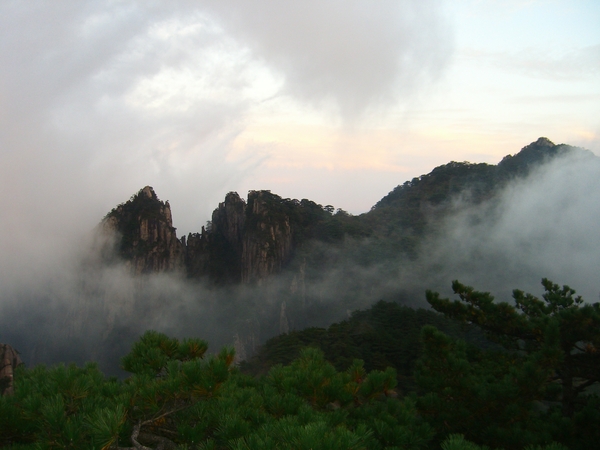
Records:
x=248, y=241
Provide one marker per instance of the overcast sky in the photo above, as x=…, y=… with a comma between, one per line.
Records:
x=335, y=101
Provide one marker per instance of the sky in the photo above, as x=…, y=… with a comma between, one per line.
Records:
x=334, y=101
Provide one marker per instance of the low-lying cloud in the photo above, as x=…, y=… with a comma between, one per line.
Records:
x=544, y=226
x=99, y=99
x=69, y=307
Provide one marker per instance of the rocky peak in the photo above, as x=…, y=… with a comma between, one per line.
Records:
x=229, y=220
x=245, y=242
x=216, y=252
x=267, y=242
x=530, y=156
x=148, y=192
x=145, y=236
x=543, y=142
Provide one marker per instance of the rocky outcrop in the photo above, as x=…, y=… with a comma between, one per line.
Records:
x=197, y=255
x=9, y=361
x=245, y=241
x=229, y=220
x=247, y=339
x=267, y=244
x=216, y=252
x=226, y=239
x=144, y=234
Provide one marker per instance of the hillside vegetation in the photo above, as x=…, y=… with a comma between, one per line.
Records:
x=530, y=391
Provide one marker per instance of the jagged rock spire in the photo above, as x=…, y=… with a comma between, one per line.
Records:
x=9, y=361
x=146, y=238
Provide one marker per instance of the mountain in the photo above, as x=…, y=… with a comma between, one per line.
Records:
x=250, y=240
x=384, y=335
x=409, y=207
x=266, y=265
x=145, y=236
x=246, y=241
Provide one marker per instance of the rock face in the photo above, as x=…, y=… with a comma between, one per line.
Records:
x=9, y=361
x=145, y=237
x=217, y=251
x=267, y=243
x=245, y=241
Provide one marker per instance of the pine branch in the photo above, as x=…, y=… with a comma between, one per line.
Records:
x=163, y=443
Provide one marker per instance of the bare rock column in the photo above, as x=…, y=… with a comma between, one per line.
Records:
x=9, y=361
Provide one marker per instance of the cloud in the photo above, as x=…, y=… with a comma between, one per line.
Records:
x=355, y=54
x=98, y=99
x=62, y=305
x=543, y=226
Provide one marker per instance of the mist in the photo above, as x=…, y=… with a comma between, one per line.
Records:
x=543, y=226
x=100, y=99
x=69, y=306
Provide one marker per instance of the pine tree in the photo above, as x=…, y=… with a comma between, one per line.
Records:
x=551, y=354
x=559, y=320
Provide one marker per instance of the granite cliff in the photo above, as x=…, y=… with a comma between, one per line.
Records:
x=246, y=241
x=143, y=234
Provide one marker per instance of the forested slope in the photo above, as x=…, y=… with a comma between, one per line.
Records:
x=468, y=396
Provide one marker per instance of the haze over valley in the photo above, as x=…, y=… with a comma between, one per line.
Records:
x=332, y=102
x=339, y=224
x=266, y=265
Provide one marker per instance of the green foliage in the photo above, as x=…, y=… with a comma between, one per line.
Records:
x=154, y=350
x=550, y=358
x=458, y=442
x=560, y=331
x=489, y=397
x=176, y=398
x=56, y=407
x=311, y=405
x=71, y=407
x=468, y=397
x=385, y=335
x=104, y=425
